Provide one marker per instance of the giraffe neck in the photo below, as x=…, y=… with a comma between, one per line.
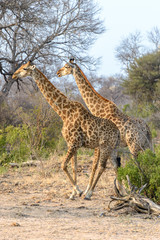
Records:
x=98, y=105
x=57, y=100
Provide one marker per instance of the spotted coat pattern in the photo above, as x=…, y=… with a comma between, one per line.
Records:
x=80, y=128
x=134, y=133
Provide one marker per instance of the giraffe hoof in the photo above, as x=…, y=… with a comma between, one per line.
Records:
x=88, y=195
x=72, y=198
x=87, y=198
x=80, y=193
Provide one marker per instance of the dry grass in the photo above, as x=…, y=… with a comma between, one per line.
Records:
x=34, y=205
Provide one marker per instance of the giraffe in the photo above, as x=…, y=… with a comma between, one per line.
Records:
x=134, y=133
x=80, y=129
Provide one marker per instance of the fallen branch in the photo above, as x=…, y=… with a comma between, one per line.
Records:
x=24, y=164
x=134, y=201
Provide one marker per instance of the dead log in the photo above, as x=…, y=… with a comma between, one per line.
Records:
x=134, y=200
x=24, y=164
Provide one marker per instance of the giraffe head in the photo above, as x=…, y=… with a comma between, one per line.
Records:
x=24, y=71
x=67, y=69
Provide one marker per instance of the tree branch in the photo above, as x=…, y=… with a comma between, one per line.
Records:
x=7, y=26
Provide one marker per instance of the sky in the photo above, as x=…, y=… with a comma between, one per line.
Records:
x=122, y=17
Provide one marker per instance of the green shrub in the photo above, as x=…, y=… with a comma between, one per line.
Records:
x=20, y=143
x=147, y=172
x=30, y=129
x=85, y=151
x=13, y=145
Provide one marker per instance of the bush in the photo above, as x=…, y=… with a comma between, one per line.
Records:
x=149, y=163
x=14, y=144
x=33, y=133
x=27, y=141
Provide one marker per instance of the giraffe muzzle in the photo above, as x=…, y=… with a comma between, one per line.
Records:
x=14, y=76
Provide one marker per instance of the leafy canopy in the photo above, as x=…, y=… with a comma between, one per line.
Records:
x=143, y=80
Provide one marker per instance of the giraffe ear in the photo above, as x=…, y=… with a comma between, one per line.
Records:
x=71, y=60
x=32, y=67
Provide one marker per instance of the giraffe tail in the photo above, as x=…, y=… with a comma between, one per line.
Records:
x=118, y=158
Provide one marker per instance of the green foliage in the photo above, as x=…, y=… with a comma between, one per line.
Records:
x=14, y=144
x=149, y=163
x=35, y=137
x=143, y=78
x=139, y=110
x=20, y=143
x=3, y=170
x=85, y=151
x=61, y=145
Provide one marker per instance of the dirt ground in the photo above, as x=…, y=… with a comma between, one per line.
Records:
x=34, y=205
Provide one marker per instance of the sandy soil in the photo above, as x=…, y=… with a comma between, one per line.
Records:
x=34, y=205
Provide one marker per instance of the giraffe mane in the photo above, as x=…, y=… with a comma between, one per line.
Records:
x=92, y=86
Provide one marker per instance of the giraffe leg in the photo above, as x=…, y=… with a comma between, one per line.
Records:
x=74, y=170
x=104, y=154
x=94, y=168
x=70, y=153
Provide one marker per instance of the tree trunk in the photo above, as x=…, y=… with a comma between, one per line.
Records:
x=5, y=90
x=134, y=200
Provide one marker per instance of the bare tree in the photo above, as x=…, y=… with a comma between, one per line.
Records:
x=129, y=49
x=154, y=37
x=110, y=88
x=47, y=32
